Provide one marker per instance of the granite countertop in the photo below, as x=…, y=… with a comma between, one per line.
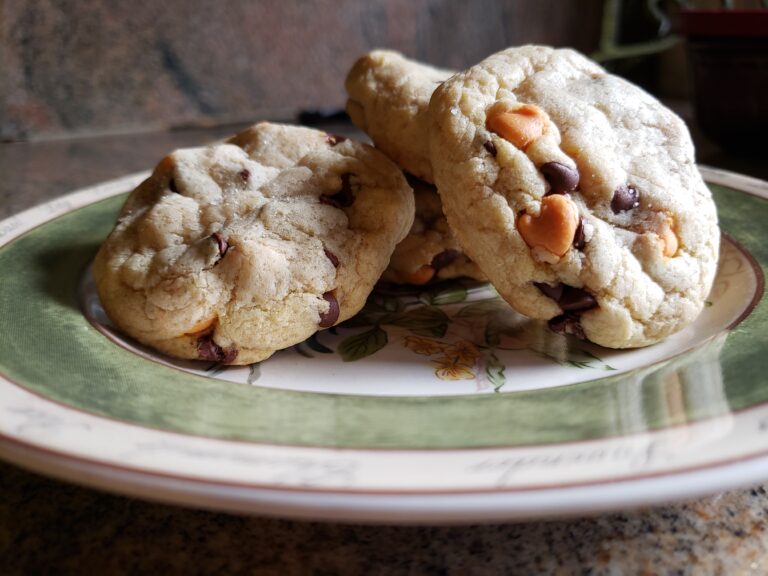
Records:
x=47, y=526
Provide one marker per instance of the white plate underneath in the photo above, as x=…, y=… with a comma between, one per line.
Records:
x=423, y=424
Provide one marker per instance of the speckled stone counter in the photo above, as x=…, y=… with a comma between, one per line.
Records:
x=49, y=527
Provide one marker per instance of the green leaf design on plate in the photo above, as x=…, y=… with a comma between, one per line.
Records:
x=447, y=293
x=517, y=337
x=575, y=357
x=215, y=369
x=362, y=345
x=383, y=303
x=508, y=323
x=50, y=349
x=316, y=345
x=254, y=373
x=585, y=359
x=424, y=321
x=494, y=370
x=363, y=319
x=300, y=349
x=481, y=308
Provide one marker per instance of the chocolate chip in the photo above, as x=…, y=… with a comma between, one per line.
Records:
x=346, y=190
x=625, y=197
x=444, y=258
x=229, y=356
x=576, y=299
x=561, y=178
x=490, y=147
x=418, y=184
x=332, y=257
x=343, y=198
x=244, y=174
x=207, y=349
x=329, y=318
x=334, y=139
x=567, y=297
x=172, y=186
x=567, y=324
x=579, y=241
x=221, y=243
x=554, y=292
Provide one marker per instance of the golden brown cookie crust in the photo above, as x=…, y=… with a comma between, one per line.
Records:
x=236, y=250
x=389, y=99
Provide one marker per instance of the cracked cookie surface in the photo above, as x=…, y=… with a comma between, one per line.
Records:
x=389, y=99
x=576, y=193
x=233, y=251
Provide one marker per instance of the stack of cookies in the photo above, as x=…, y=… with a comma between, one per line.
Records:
x=574, y=192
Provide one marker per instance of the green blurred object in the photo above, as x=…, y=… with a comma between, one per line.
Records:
x=633, y=33
x=614, y=11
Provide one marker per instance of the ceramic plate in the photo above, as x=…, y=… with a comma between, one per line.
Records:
x=437, y=404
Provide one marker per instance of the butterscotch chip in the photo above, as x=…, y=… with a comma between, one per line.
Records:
x=521, y=125
x=231, y=252
x=418, y=277
x=666, y=232
x=636, y=256
x=554, y=229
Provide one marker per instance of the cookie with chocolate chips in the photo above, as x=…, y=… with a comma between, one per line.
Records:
x=231, y=252
x=576, y=193
x=430, y=251
x=389, y=99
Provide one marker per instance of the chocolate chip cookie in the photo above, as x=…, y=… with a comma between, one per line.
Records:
x=231, y=252
x=389, y=99
x=430, y=251
x=576, y=193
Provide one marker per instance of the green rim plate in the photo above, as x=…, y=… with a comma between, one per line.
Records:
x=51, y=349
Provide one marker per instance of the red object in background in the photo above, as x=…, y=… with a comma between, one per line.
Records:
x=717, y=23
x=728, y=50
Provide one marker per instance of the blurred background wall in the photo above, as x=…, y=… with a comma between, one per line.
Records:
x=97, y=66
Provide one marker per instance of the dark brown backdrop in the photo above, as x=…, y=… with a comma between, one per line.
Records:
x=99, y=66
